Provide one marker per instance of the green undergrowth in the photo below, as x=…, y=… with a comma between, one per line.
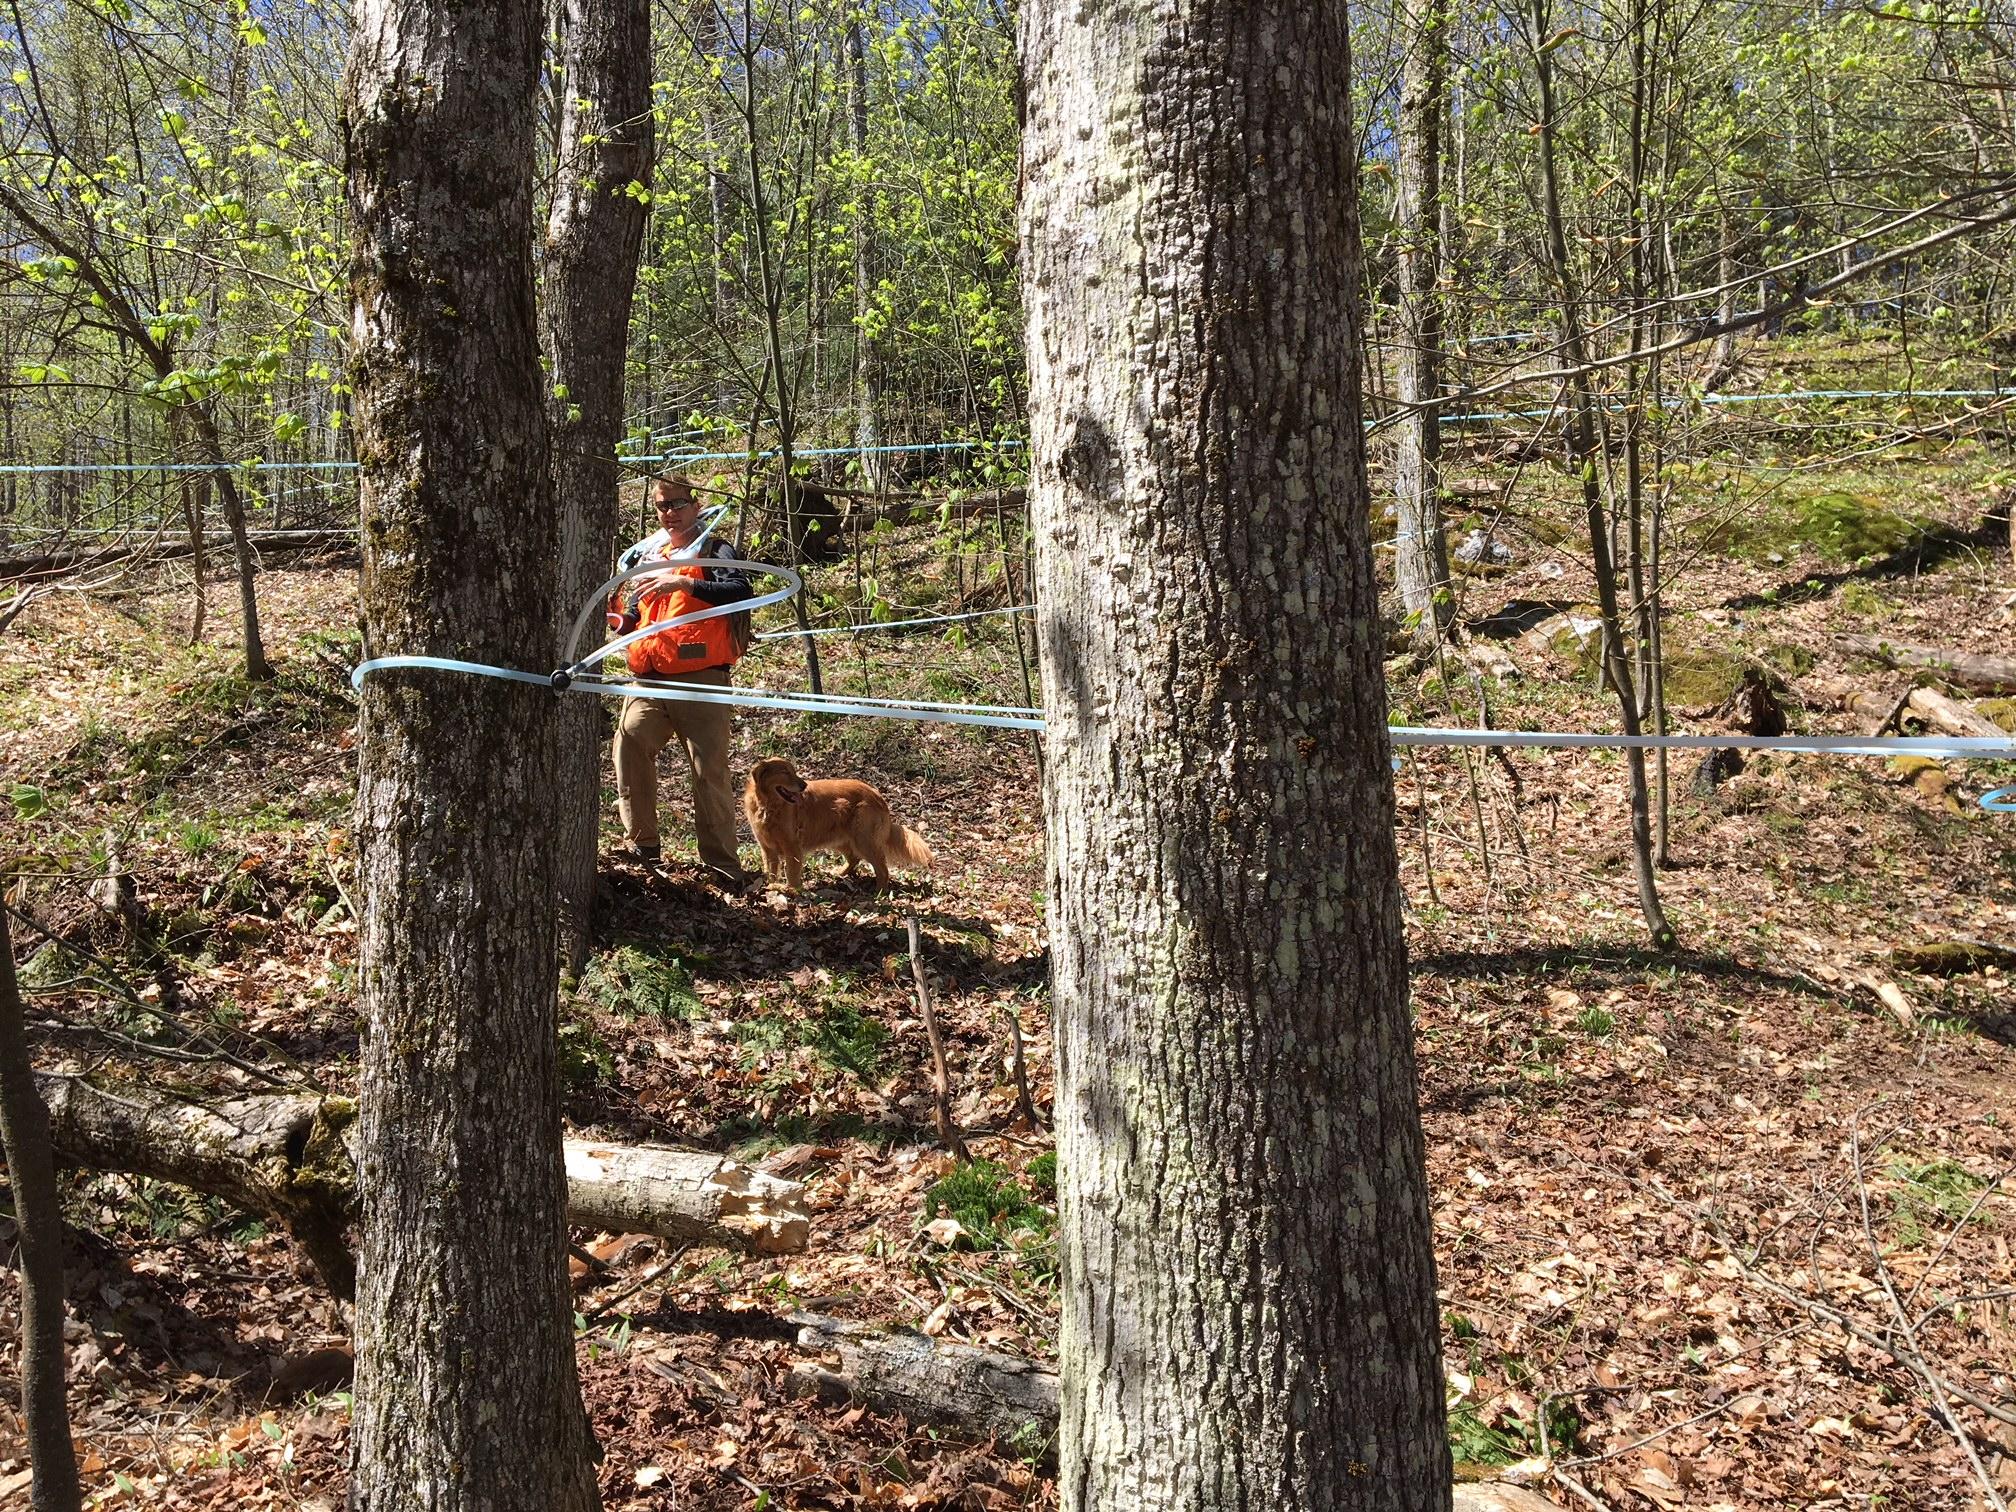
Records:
x=750, y=1138
x=1929, y=1193
x=996, y=1209
x=170, y=728
x=633, y=982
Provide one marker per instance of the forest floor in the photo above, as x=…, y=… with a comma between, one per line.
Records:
x=1727, y=1228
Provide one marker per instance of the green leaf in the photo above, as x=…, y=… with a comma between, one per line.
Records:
x=29, y=802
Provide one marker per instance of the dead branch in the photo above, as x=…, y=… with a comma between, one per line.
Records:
x=941, y=1078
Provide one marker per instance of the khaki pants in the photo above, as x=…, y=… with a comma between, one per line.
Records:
x=649, y=725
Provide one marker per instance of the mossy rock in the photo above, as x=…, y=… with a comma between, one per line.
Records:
x=1540, y=528
x=1788, y=659
x=1909, y=768
x=1998, y=711
x=49, y=966
x=1847, y=528
x=1703, y=679
x=1580, y=649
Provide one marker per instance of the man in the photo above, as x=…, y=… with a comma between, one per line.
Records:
x=701, y=654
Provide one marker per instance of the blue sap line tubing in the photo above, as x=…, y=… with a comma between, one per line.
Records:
x=176, y=467
x=902, y=624
x=1672, y=400
x=829, y=451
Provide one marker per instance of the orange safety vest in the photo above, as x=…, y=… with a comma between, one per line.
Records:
x=716, y=642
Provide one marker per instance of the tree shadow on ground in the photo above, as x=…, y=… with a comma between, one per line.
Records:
x=748, y=938
x=1611, y=964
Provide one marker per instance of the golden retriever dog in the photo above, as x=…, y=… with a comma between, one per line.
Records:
x=793, y=818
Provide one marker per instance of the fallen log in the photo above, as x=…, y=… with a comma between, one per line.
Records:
x=1881, y=709
x=908, y=1374
x=1987, y=674
x=281, y=1157
x=1950, y=718
x=686, y=1196
x=290, y=1157
x=1953, y=957
x=983, y=1395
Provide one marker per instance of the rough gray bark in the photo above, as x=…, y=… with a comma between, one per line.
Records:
x=291, y=1157
x=466, y=1392
x=1249, y=1316
x=38, y=1225
x=1421, y=551
x=593, y=233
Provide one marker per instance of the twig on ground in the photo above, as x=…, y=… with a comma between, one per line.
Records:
x=1589, y=1498
x=1965, y=1218
x=1902, y=1355
x=602, y=1308
x=1948, y=1419
x=1609, y=1454
x=112, y=979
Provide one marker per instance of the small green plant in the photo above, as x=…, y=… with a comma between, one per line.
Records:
x=634, y=983
x=584, y=1058
x=990, y=1204
x=1476, y=1442
x=847, y=1038
x=1926, y=1188
x=1861, y=601
x=196, y=837
x=1547, y=1048
x=1041, y=1174
x=1597, y=1023
x=1029, y=1443
x=1472, y=1441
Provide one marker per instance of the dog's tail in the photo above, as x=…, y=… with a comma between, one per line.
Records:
x=907, y=848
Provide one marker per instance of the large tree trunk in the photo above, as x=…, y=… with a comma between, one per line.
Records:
x=466, y=1392
x=1421, y=551
x=592, y=237
x=38, y=1226
x=1249, y=1315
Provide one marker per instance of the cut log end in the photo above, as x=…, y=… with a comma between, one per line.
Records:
x=685, y=1195
x=762, y=1207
